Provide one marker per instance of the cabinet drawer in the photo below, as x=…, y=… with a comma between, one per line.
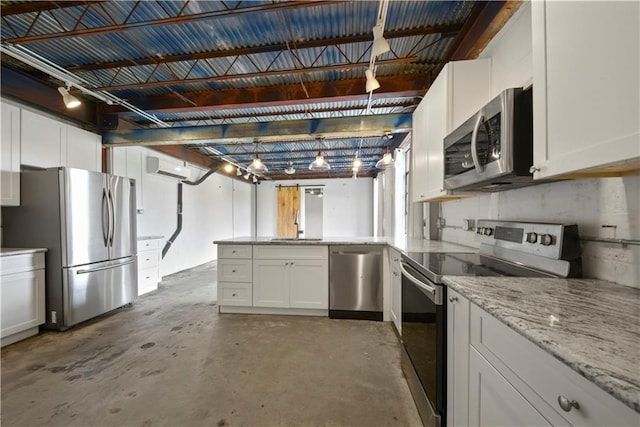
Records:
x=11, y=264
x=148, y=259
x=235, y=270
x=149, y=244
x=148, y=280
x=290, y=252
x=230, y=293
x=539, y=376
x=234, y=251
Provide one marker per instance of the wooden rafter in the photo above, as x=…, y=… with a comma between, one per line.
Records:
x=41, y=6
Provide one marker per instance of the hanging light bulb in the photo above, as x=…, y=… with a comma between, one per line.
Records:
x=228, y=168
x=319, y=164
x=257, y=166
x=380, y=45
x=69, y=100
x=356, y=164
x=372, y=84
x=386, y=161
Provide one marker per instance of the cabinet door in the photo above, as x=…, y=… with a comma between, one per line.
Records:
x=419, y=147
x=44, y=141
x=493, y=401
x=84, y=150
x=309, y=284
x=22, y=301
x=586, y=105
x=457, y=359
x=10, y=156
x=270, y=283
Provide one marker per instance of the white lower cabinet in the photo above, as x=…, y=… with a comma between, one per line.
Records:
x=457, y=359
x=149, y=258
x=309, y=284
x=513, y=382
x=235, y=274
x=21, y=296
x=271, y=283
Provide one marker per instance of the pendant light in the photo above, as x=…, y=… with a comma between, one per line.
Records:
x=319, y=164
x=257, y=166
x=290, y=170
x=69, y=100
x=386, y=162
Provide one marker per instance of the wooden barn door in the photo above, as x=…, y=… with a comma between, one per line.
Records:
x=288, y=207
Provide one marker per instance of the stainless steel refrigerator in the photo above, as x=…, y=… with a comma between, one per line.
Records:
x=87, y=221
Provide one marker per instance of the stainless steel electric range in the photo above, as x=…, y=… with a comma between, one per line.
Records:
x=507, y=248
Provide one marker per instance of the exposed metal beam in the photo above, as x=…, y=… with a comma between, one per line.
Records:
x=249, y=132
x=41, y=6
x=301, y=150
x=260, y=8
x=410, y=85
x=445, y=30
x=321, y=175
x=258, y=74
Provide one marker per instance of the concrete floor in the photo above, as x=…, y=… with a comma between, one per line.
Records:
x=172, y=360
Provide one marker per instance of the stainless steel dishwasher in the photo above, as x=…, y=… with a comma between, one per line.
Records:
x=355, y=282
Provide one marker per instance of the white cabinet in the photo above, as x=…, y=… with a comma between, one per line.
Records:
x=291, y=276
x=46, y=143
x=396, y=289
x=21, y=296
x=235, y=275
x=461, y=89
x=10, y=156
x=586, y=104
x=457, y=359
x=514, y=382
x=129, y=162
x=149, y=258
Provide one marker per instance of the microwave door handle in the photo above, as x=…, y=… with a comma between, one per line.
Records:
x=474, y=142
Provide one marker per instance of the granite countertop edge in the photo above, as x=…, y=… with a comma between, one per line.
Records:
x=540, y=335
x=20, y=251
x=139, y=238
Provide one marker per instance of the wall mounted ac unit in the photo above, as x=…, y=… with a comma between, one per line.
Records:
x=159, y=166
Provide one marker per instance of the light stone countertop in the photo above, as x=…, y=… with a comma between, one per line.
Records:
x=149, y=237
x=593, y=326
x=403, y=245
x=20, y=251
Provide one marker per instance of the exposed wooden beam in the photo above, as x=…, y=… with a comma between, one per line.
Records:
x=192, y=156
x=258, y=74
x=106, y=29
x=247, y=132
x=406, y=86
x=41, y=6
x=445, y=30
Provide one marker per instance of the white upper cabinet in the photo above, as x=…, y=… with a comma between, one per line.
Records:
x=47, y=143
x=459, y=91
x=586, y=63
x=10, y=156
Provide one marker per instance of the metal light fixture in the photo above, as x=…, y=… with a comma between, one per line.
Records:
x=247, y=175
x=255, y=179
x=228, y=168
x=238, y=172
x=380, y=45
x=257, y=166
x=69, y=100
x=386, y=161
x=372, y=83
x=319, y=164
x=290, y=170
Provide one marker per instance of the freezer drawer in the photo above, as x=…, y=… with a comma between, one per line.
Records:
x=94, y=289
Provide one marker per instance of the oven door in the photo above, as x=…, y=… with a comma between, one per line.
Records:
x=480, y=149
x=424, y=343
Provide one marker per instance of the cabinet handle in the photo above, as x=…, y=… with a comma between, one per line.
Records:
x=567, y=404
x=395, y=273
x=233, y=271
x=286, y=263
x=233, y=295
x=291, y=263
x=453, y=299
x=534, y=169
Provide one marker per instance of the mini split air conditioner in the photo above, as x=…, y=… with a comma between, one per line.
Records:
x=158, y=166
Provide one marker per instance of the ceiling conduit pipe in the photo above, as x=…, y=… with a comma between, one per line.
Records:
x=176, y=233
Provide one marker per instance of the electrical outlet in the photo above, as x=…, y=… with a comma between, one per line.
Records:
x=468, y=224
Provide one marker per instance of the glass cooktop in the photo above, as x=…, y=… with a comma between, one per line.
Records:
x=436, y=265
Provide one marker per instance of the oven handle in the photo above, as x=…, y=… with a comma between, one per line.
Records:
x=474, y=142
x=419, y=283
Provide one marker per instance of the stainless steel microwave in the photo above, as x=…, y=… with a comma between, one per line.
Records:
x=493, y=149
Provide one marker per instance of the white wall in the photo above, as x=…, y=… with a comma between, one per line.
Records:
x=590, y=203
x=218, y=208
x=347, y=206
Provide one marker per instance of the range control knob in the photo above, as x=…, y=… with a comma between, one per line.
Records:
x=546, y=239
x=480, y=230
x=532, y=237
x=488, y=231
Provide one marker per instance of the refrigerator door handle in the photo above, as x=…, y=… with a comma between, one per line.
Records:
x=112, y=215
x=105, y=225
x=107, y=267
